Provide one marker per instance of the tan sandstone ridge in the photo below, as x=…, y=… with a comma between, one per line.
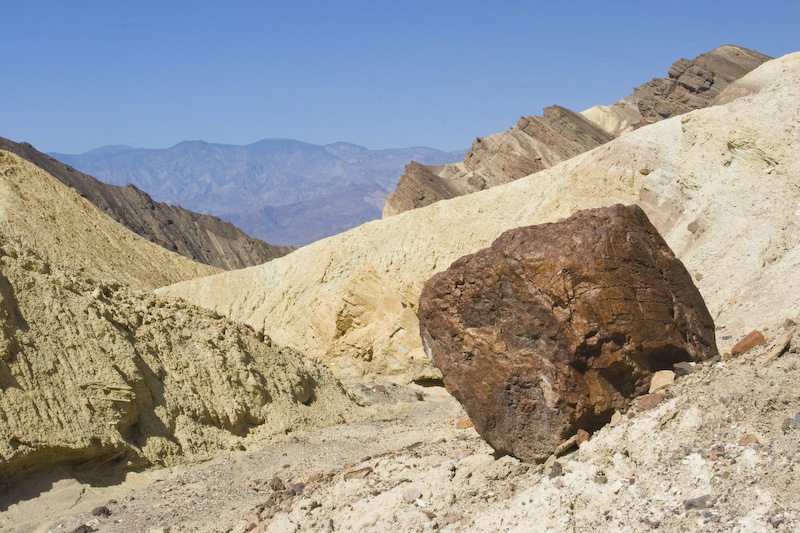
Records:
x=720, y=184
x=99, y=376
x=42, y=214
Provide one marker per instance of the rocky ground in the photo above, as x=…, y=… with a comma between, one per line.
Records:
x=717, y=452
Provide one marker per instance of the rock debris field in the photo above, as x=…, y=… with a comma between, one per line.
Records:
x=717, y=450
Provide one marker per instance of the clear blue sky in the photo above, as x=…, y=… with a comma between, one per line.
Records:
x=78, y=75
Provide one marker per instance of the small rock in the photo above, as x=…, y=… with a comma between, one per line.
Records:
x=750, y=341
x=313, y=477
x=748, y=439
x=429, y=514
x=644, y=171
x=463, y=453
x=412, y=495
x=555, y=470
x=451, y=518
x=701, y=502
x=101, y=511
x=348, y=465
x=463, y=423
x=789, y=424
x=84, y=528
x=276, y=484
x=379, y=388
x=661, y=379
x=582, y=436
x=649, y=401
x=780, y=346
x=615, y=418
x=789, y=323
x=297, y=488
x=683, y=368
x=361, y=473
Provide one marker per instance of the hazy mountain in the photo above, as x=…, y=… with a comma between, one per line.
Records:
x=279, y=190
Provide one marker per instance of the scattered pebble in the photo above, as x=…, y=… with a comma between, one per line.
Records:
x=412, y=495
x=648, y=401
x=661, y=379
x=464, y=423
x=750, y=341
x=701, y=502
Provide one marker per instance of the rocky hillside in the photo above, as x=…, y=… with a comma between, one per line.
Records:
x=99, y=375
x=44, y=215
x=202, y=238
x=718, y=183
x=278, y=190
x=536, y=143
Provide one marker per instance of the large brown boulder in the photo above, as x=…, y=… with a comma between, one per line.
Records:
x=555, y=326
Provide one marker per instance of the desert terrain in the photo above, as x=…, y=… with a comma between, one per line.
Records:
x=141, y=391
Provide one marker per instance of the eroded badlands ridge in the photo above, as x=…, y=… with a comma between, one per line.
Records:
x=718, y=183
x=99, y=374
x=536, y=143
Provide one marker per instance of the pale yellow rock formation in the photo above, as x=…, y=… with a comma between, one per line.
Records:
x=42, y=214
x=98, y=375
x=720, y=184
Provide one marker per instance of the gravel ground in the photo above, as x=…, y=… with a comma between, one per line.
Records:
x=715, y=451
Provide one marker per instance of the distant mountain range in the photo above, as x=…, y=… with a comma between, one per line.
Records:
x=282, y=191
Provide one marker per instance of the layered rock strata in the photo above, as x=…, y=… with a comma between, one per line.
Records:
x=536, y=143
x=718, y=183
x=202, y=238
x=554, y=327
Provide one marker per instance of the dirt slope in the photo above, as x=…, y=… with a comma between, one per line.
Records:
x=721, y=452
x=45, y=215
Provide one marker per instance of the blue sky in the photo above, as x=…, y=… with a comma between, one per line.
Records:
x=79, y=75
